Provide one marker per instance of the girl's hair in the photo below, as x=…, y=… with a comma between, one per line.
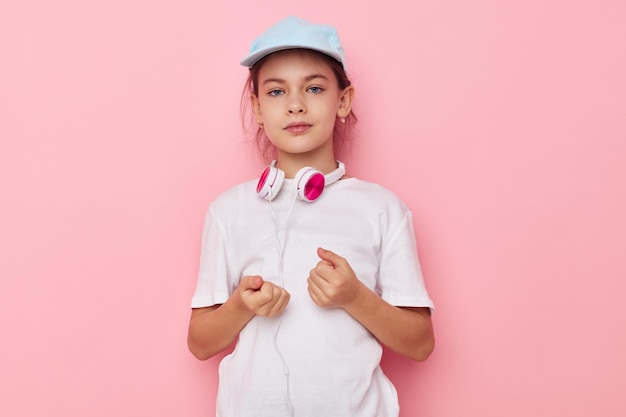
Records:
x=341, y=133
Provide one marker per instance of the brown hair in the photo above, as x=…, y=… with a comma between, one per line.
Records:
x=341, y=132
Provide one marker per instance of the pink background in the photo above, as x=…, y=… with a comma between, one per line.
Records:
x=501, y=123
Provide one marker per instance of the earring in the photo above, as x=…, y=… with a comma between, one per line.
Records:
x=343, y=120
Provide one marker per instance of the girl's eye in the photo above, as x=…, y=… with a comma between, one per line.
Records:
x=315, y=90
x=275, y=93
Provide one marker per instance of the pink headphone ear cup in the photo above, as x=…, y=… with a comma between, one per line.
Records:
x=270, y=182
x=309, y=184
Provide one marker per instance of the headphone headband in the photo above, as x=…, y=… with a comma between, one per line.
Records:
x=336, y=175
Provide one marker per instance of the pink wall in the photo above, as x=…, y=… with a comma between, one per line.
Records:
x=501, y=123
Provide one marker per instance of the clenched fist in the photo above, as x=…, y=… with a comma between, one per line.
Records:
x=261, y=297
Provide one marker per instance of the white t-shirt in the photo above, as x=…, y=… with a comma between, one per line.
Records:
x=309, y=361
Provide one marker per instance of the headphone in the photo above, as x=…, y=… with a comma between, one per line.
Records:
x=310, y=182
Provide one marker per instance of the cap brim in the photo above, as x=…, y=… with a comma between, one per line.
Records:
x=252, y=59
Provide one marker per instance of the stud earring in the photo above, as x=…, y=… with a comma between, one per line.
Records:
x=343, y=120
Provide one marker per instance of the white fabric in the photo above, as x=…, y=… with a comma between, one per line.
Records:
x=314, y=361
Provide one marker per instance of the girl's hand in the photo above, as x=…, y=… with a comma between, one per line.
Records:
x=261, y=297
x=332, y=283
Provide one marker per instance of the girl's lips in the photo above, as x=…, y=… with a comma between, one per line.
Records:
x=297, y=127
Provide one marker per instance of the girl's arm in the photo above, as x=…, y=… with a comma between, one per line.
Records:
x=213, y=329
x=407, y=331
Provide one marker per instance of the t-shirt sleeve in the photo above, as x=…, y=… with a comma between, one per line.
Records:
x=214, y=285
x=401, y=282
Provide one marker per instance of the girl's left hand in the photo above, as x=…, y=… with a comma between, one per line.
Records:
x=332, y=283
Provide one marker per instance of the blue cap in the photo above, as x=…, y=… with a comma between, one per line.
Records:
x=291, y=33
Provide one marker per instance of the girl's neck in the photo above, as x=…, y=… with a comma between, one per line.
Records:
x=291, y=163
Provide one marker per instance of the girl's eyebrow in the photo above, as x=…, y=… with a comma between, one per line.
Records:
x=308, y=78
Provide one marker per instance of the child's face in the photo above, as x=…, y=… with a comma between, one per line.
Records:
x=299, y=101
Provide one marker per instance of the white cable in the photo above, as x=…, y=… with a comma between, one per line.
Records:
x=281, y=250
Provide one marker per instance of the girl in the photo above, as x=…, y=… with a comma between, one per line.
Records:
x=316, y=269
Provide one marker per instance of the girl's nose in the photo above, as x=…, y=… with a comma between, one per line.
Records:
x=296, y=106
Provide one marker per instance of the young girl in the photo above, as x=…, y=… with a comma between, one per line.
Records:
x=312, y=270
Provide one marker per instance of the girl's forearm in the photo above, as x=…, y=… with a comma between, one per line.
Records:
x=407, y=331
x=213, y=329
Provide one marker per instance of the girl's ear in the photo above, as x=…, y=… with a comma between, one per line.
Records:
x=256, y=108
x=345, y=102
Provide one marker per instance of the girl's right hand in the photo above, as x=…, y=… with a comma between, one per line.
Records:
x=261, y=297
